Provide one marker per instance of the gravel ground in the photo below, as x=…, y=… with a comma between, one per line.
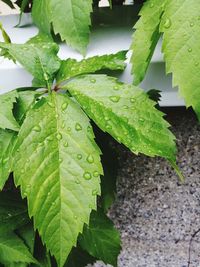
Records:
x=155, y=214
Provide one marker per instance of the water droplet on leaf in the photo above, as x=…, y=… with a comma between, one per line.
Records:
x=64, y=106
x=79, y=156
x=93, y=80
x=78, y=127
x=167, y=23
x=90, y=159
x=59, y=136
x=115, y=98
x=96, y=174
x=87, y=176
x=37, y=128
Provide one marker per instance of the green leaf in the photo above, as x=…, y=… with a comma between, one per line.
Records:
x=58, y=171
x=25, y=101
x=71, y=19
x=41, y=15
x=7, y=141
x=13, y=250
x=125, y=112
x=79, y=258
x=7, y=120
x=13, y=212
x=145, y=38
x=180, y=25
x=39, y=59
x=27, y=234
x=100, y=239
x=71, y=67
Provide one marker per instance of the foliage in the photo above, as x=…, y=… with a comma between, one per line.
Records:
x=48, y=145
x=179, y=23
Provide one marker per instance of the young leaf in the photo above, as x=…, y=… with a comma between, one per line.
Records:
x=100, y=239
x=41, y=15
x=7, y=141
x=13, y=250
x=58, y=171
x=39, y=59
x=7, y=120
x=180, y=25
x=13, y=212
x=71, y=67
x=71, y=19
x=125, y=112
x=145, y=38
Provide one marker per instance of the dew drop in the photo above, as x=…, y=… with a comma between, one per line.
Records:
x=141, y=120
x=90, y=159
x=132, y=99
x=69, y=129
x=37, y=128
x=151, y=5
x=167, y=23
x=197, y=64
x=96, y=174
x=64, y=106
x=116, y=87
x=66, y=144
x=108, y=127
x=50, y=138
x=9, y=215
x=75, y=217
x=115, y=98
x=77, y=181
x=106, y=119
x=53, y=203
x=63, y=125
x=78, y=127
x=125, y=107
x=93, y=80
x=59, y=136
x=22, y=171
x=49, y=193
x=79, y=156
x=191, y=24
x=189, y=49
x=60, y=160
x=87, y=176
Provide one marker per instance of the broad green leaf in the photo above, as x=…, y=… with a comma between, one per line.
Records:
x=145, y=37
x=71, y=19
x=181, y=36
x=79, y=258
x=13, y=212
x=57, y=167
x=41, y=15
x=13, y=250
x=71, y=67
x=125, y=112
x=7, y=141
x=7, y=120
x=100, y=239
x=39, y=59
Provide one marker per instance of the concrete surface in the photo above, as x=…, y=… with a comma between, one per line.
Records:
x=157, y=215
